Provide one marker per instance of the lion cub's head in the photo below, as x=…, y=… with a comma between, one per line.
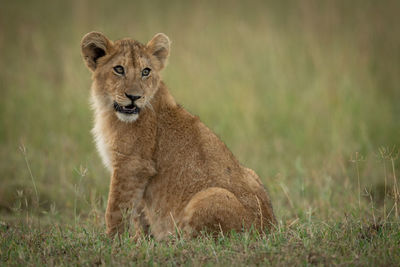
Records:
x=125, y=72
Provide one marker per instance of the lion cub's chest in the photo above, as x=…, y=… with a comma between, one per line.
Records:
x=101, y=141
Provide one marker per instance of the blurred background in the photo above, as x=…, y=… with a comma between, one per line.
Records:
x=304, y=92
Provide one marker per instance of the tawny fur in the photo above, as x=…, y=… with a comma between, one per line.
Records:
x=168, y=169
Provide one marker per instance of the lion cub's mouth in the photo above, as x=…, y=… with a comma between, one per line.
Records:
x=130, y=109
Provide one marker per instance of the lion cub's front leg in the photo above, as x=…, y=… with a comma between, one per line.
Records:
x=128, y=182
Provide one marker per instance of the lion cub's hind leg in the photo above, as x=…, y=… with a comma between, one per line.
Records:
x=214, y=210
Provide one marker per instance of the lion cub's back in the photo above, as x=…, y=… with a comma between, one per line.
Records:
x=191, y=158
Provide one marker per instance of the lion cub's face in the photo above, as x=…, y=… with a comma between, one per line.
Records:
x=125, y=72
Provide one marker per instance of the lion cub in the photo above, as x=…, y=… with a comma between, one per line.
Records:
x=167, y=168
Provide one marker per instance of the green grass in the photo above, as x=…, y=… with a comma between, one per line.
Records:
x=309, y=243
x=304, y=92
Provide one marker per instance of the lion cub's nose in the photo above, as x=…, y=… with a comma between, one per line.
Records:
x=132, y=97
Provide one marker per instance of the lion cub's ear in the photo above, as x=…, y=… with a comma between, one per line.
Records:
x=94, y=45
x=159, y=47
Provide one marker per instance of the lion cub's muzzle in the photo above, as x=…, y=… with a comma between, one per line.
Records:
x=129, y=109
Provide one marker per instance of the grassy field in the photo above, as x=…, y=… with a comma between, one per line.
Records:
x=307, y=93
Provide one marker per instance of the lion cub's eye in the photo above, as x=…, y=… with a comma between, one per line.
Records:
x=119, y=70
x=146, y=72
